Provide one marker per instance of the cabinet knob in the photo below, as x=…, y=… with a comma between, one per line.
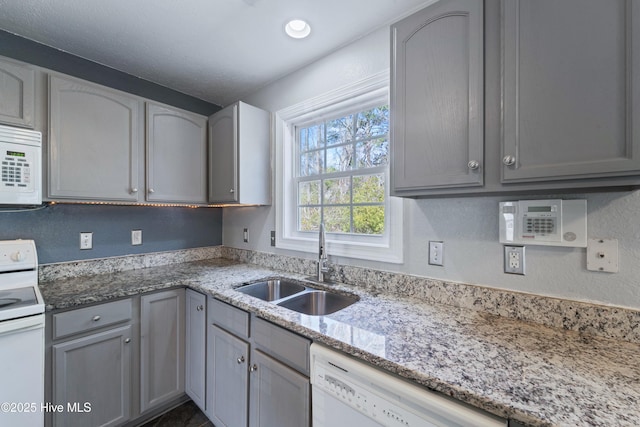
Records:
x=473, y=164
x=96, y=318
x=200, y=308
x=232, y=191
x=134, y=190
x=253, y=368
x=509, y=160
x=151, y=190
x=127, y=341
x=240, y=360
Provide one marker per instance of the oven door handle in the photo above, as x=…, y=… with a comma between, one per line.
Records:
x=22, y=325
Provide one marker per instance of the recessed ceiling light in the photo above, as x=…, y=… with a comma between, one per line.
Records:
x=297, y=28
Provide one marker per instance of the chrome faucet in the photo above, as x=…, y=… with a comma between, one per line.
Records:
x=323, y=260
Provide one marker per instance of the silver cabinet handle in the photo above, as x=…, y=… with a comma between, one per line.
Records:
x=96, y=318
x=127, y=341
x=509, y=160
x=232, y=191
x=253, y=368
x=134, y=190
x=240, y=360
x=473, y=164
x=151, y=190
x=200, y=308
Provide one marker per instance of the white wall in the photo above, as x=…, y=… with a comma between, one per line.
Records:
x=468, y=226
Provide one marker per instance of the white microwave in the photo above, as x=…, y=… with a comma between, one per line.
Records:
x=21, y=157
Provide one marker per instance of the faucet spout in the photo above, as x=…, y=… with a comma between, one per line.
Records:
x=323, y=260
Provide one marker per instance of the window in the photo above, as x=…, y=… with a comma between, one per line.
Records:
x=332, y=166
x=341, y=172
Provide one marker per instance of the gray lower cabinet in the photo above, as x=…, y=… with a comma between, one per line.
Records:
x=176, y=155
x=437, y=98
x=255, y=380
x=195, y=347
x=17, y=93
x=239, y=156
x=95, y=141
x=92, y=374
x=162, y=334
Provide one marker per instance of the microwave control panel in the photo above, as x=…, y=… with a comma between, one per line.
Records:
x=554, y=222
x=20, y=163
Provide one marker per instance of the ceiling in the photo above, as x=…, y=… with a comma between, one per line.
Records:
x=215, y=50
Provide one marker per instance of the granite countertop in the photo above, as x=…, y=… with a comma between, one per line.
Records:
x=530, y=373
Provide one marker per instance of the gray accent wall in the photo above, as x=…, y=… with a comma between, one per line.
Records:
x=56, y=229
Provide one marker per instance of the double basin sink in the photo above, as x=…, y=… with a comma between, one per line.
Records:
x=298, y=297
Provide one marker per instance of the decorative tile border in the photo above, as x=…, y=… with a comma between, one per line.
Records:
x=599, y=320
x=65, y=270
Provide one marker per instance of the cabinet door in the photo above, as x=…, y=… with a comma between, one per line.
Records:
x=93, y=370
x=195, y=347
x=279, y=396
x=176, y=155
x=437, y=97
x=223, y=155
x=161, y=347
x=95, y=137
x=17, y=92
x=571, y=72
x=227, y=378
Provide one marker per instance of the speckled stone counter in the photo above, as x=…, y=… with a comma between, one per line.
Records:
x=528, y=372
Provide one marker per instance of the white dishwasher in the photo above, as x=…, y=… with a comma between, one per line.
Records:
x=349, y=393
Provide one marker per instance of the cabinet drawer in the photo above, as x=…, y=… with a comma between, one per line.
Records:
x=89, y=318
x=228, y=317
x=283, y=345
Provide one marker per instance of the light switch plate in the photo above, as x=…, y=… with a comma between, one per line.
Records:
x=86, y=240
x=436, y=253
x=602, y=255
x=136, y=237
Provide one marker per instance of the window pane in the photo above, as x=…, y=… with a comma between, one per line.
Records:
x=340, y=130
x=374, y=122
x=308, y=219
x=368, y=189
x=315, y=137
x=337, y=219
x=337, y=191
x=339, y=158
x=311, y=163
x=372, y=153
x=309, y=193
x=368, y=219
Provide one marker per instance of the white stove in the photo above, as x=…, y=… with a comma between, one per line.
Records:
x=21, y=335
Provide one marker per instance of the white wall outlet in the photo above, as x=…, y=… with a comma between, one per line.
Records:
x=514, y=259
x=136, y=237
x=602, y=255
x=86, y=240
x=436, y=252
x=245, y=235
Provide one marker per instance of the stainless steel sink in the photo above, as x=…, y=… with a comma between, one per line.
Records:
x=272, y=290
x=298, y=297
x=318, y=303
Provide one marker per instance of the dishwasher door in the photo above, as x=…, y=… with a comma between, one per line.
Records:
x=331, y=412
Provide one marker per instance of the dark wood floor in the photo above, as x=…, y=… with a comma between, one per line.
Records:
x=185, y=415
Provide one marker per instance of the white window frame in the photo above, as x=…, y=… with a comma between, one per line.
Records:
x=363, y=94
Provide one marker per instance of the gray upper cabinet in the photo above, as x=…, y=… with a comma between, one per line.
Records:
x=570, y=89
x=195, y=347
x=176, y=155
x=17, y=93
x=161, y=348
x=95, y=136
x=239, y=156
x=437, y=97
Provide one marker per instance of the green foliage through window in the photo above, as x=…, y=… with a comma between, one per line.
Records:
x=341, y=172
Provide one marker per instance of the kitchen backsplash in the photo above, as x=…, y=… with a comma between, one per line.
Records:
x=590, y=319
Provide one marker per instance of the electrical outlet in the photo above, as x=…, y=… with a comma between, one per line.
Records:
x=136, y=237
x=245, y=235
x=86, y=240
x=514, y=259
x=436, y=253
x=273, y=238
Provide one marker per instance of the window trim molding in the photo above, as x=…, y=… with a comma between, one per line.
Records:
x=386, y=249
